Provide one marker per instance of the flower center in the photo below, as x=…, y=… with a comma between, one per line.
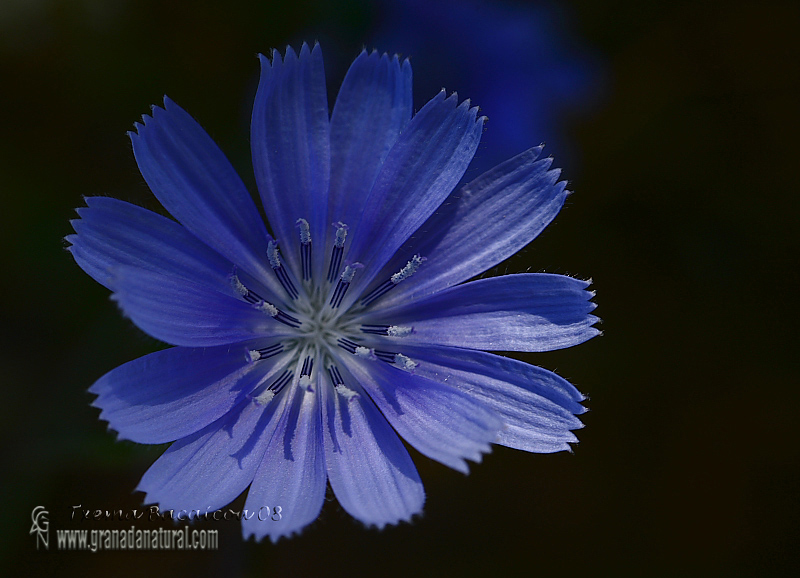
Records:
x=321, y=328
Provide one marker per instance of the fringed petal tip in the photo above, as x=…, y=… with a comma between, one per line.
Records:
x=289, y=54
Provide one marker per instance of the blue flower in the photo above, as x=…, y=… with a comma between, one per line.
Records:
x=303, y=356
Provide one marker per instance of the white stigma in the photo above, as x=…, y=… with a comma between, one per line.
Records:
x=305, y=382
x=364, y=352
x=267, y=308
x=305, y=231
x=398, y=331
x=265, y=397
x=405, y=362
x=341, y=234
x=272, y=255
x=253, y=355
x=407, y=271
x=237, y=285
x=349, y=272
x=346, y=392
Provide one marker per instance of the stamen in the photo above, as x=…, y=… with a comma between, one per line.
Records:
x=403, y=274
x=264, y=352
x=272, y=255
x=280, y=272
x=250, y=296
x=256, y=301
x=277, y=314
x=407, y=271
x=375, y=329
x=338, y=250
x=305, y=247
x=364, y=352
x=405, y=362
x=336, y=377
x=386, y=356
x=339, y=386
x=347, y=345
x=350, y=272
x=344, y=282
x=274, y=389
x=281, y=382
x=399, y=331
x=287, y=319
x=346, y=392
x=390, y=330
x=305, y=373
x=267, y=308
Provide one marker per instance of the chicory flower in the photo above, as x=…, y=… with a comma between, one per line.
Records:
x=303, y=355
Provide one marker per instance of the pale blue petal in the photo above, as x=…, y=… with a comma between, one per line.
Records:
x=210, y=468
x=420, y=171
x=537, y=406
x=525, y=312
x=289, y=485
x=372, y=108
x=198, y=186
x=479, y=225
x=370, y=471
x=437, y=420
x=173, y=393
x=180, y=312
x=113, y=234
x=290, y=141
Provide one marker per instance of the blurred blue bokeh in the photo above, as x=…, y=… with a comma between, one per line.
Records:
x=520, y=62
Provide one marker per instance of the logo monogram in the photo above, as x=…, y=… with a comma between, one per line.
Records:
x=41, y=526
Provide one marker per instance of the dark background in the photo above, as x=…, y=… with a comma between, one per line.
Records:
x=676, y=124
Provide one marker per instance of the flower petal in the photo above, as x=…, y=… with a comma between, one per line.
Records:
x=290, y=141
x=525, y=312
x=173, y=393
x=180, y=312
x=291, y=480
x=113, y=234
x=370, y=471
x=373, y=106
x=420, y=171
x=210, y=468
x=437, y=420
x=479, y=225
x=194, y=181
x=536, y=406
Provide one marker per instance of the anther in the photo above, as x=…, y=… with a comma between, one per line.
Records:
x=338, y=384
x=386, y=356
x=344, y=282
x=403, y=274
x=305, y=373
x=280, y=272
x=305, y=247
x=336, y=377
x=274, y=388
x=347, y=345
x=264, y=352
x=338, y=251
